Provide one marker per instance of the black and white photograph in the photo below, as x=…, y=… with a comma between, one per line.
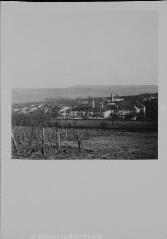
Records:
x=100, y=97
x=83, y=120
x=101, y=100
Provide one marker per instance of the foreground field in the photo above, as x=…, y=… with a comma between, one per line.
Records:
x=52, y=143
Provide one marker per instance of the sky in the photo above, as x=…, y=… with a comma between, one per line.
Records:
x=60, y=45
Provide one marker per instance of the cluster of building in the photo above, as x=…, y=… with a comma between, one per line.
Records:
x=108, y=108
x=113, y=107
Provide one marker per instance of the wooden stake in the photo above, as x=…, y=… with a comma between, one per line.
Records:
x=36, y=145
x=58, y=139
x=14, y=142
x=43, y=141
x=79, y=142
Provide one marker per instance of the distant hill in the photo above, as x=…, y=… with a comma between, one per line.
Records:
x=37, y=95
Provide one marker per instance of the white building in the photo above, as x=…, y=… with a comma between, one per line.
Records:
x=107, y=113
x=64, y=109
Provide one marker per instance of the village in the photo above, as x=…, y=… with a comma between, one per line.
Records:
x=114, y=107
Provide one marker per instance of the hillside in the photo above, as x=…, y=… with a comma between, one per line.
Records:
x=36, y=95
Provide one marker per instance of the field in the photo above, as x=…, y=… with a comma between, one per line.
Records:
x=59, y=143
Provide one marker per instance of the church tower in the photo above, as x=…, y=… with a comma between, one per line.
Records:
x=93, y=103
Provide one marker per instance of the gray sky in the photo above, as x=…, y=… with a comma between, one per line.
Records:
x=59, y=45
